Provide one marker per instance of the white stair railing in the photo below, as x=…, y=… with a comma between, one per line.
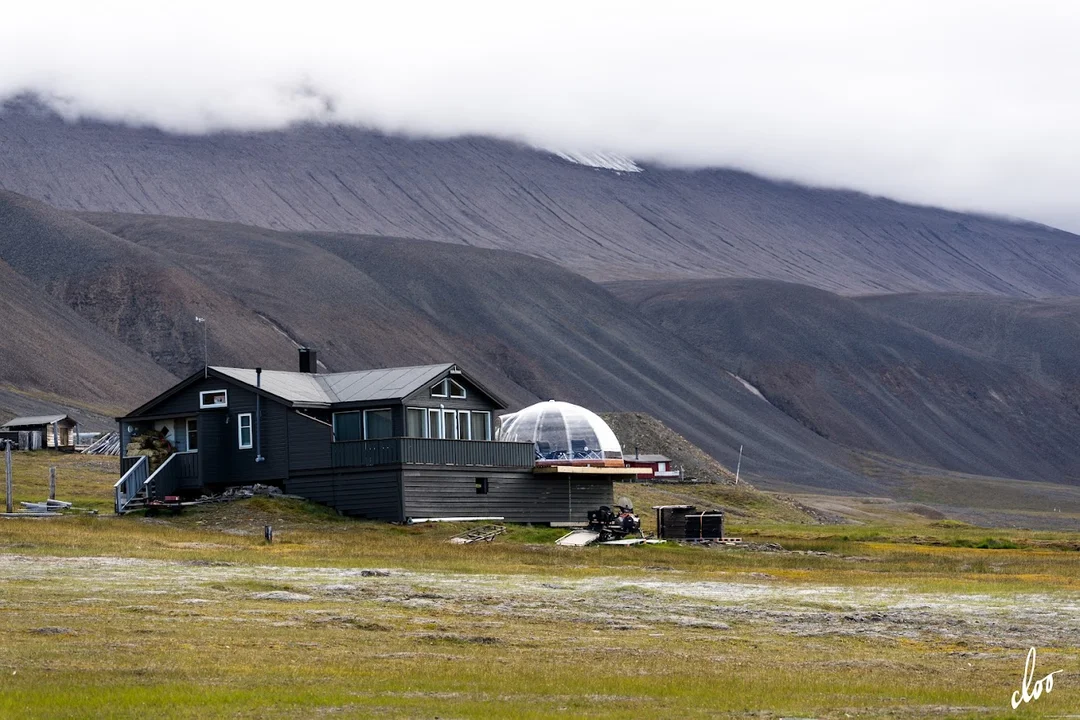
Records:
x=130, y=483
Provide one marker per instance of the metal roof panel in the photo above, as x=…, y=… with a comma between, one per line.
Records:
x=34, y=420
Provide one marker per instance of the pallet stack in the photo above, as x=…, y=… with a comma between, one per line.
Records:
x=686, y=522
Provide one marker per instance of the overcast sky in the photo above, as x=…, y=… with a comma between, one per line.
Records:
x=967, y=104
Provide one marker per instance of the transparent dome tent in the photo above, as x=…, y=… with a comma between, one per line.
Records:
x=563, y=434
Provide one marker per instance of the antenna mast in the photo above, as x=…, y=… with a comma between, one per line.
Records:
x=205, y=364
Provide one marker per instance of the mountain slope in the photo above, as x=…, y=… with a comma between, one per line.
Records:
x=54, y=358
x=659, y=223
x=1039, y=338
x=530, y=328
x=867, y=380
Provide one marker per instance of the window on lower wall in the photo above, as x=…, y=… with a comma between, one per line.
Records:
x=192, y=434
x=243, y=431
x=378, y=424
x=481, y=486
x=347, y=427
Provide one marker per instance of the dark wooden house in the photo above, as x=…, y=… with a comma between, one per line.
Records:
x=393, y=443
x=56, y=431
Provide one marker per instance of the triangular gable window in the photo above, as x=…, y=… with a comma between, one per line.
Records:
x=448, y=388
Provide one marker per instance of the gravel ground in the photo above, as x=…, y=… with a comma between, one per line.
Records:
x=652, y=602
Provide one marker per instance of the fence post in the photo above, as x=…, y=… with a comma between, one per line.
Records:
x=7, y=476
x=52, y=482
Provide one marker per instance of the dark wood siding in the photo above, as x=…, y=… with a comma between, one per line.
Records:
x=309, y=443
x=372, y=494
x=221, y=461
x=516, y=496
x=186, y=402
x=241, y=466
x=213, y=449
x=475, y=399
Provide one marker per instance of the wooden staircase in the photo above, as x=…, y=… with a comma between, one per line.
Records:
x=132, y=489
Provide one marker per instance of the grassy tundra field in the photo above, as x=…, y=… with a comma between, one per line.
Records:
x=195, y=616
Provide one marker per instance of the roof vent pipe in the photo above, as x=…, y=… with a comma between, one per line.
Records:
x=258, y=416
x=636, y=456
x=308, y=361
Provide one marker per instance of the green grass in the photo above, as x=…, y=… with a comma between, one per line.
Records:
x=85, y=480
x=173, y=622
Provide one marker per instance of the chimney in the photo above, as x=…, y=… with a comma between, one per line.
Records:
x=308, y=362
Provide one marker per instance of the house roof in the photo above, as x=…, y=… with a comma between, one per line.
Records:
x=325, y=390
x=330, y=388
x=646, y=458
x=35, y=420
x=295, y=387
x=385, y=384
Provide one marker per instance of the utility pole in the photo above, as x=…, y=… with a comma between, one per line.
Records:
x=205, y=363
x=739, y=466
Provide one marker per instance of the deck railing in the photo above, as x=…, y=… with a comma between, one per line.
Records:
x=131, y=482
x=426, y=451
x=172, y=473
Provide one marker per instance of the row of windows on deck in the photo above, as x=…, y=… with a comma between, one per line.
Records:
x=437, y=423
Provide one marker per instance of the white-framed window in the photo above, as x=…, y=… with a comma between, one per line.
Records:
x=448, y=387
x=348, y=426
x=444, y=423
x=209, y=399
x=450, y=426
x=416, y=423
x=378, y=423
x=363, y=425
x=464, y=428
x=244, y=435
x=435, y=425
x=192, y=434
x=479, y=425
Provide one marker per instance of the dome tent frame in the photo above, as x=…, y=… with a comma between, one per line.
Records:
x=563, y=434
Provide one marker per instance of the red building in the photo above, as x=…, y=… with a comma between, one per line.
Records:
x=659, y=467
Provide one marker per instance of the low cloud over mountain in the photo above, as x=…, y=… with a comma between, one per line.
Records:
x=965, y=104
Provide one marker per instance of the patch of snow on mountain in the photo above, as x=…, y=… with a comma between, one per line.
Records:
x=748, y=386
x=606, y=161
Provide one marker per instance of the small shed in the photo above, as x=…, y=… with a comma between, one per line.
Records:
x=655, y=467
x=57, y=431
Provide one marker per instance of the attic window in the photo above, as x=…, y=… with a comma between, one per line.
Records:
x=213, y=399
x=448, y=388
